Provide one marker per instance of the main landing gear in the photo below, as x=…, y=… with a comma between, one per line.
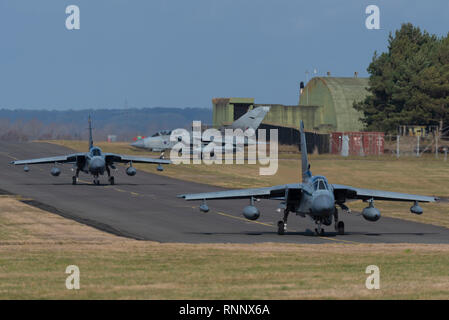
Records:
x=319, y=230
x=110, y=178
x=339, y=225
x=75, y=177
x=282, y=224
x=340, y=228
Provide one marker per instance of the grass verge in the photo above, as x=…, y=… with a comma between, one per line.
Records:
x=37, y=246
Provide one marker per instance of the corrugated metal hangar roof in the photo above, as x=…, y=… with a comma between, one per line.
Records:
x=336, y=97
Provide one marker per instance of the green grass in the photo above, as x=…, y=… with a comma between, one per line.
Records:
x=37, y=246
x=200, y=272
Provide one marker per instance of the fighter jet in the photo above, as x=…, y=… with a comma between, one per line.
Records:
x=160, y=141
x=314, y=197
x=94, y=162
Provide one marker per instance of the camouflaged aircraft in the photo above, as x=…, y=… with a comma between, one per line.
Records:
x=161, y=141
x=94, y=162
x=314, y=197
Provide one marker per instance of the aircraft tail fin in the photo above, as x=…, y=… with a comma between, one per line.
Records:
x=305, y=167
x=251, y=119
x=91, y=141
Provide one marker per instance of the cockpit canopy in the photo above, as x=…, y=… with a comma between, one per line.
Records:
x=162, y=133
x=95, y=151
x=320, y=183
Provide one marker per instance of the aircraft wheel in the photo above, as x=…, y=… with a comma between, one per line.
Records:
x=281, y=229
x=341, y=228
x=319, y=232
x=112, y=181
x=73, y=180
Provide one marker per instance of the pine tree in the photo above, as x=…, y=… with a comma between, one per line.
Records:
x=409, y=84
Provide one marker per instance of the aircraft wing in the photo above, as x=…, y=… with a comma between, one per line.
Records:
x=113, y=157
x=58, y=159
x=275, y=192
x=351, y=193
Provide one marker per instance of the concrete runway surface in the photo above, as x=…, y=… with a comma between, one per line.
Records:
x=145, y=207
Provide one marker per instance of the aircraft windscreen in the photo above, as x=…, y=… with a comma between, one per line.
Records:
x=96, y=152
x=162, y=133
x=320, y=184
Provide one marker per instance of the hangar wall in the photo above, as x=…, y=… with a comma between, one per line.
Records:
x=325, y=105
x=226, y=110
x=336, y=95
x=289, y=116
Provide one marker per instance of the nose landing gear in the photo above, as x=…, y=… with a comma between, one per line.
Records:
x=319, y=231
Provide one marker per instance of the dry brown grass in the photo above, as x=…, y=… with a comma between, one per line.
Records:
x=37, y=246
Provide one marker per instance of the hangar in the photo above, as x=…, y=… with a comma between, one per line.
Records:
x=325, y=104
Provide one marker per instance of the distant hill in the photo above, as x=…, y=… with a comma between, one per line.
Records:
x=22, y=125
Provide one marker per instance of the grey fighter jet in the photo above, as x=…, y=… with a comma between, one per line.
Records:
x=160, y=141
x=94, y=162
x=314, y=197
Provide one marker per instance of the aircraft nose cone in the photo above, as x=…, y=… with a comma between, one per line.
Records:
x=322, y=204
x=138, y=144
x=96, y=165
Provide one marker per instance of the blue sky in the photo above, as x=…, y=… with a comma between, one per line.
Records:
x=184, y=53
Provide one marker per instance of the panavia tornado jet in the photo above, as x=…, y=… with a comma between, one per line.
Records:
x=94, y=162
x=314, y=197
x=161, y=142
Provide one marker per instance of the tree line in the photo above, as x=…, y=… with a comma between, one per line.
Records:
x=125, y=124
x=409, y=83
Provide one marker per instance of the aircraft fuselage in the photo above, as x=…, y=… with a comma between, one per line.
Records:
x=317, y=198
x=96, y=165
